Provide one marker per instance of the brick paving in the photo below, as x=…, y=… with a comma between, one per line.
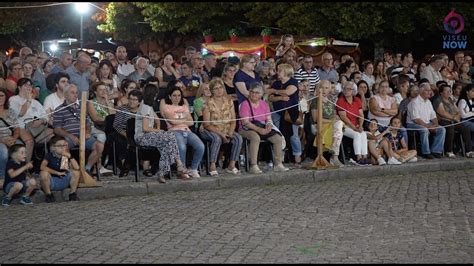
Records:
x=420, y=218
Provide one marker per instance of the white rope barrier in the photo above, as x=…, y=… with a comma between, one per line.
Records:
x=212, y=121
x=40, y=117
x=238, y=119
x=408, y=129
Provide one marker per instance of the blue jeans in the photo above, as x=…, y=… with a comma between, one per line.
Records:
x=438, y=142
x=276, y=117
x=3, y=159
x=187, y=137
x=295, y=141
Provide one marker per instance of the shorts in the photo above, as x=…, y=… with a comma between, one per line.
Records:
x=59, y=183
x=11, y=184
x=89, y=143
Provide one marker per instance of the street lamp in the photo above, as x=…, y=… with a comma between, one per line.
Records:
x=82, y=8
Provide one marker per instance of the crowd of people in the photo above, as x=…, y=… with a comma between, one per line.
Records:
x=384, y=107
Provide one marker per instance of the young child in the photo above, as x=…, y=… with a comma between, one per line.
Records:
x=398, y=144
x=378, y=145
x=16, y=179
x=287, y=42
x=59, y=171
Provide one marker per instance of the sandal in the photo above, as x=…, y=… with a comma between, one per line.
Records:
x=234, y=171
x=182, y=173
x=148, y=173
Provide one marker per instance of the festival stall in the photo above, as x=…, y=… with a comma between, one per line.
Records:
x=314, y=46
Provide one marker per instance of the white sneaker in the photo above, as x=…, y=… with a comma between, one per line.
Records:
x=194, y=174
x=269, y=166
x=381, y=161
x=335, y=161
x=105, y=171
x=451, y=155
x=392, y=160
x=470, y=154
x=413, y=160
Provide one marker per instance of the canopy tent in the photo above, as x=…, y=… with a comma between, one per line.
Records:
x=314, y=46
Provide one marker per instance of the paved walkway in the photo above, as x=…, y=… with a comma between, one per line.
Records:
x=422, y=218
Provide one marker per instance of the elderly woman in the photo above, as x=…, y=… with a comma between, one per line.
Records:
x=220, y=108
x=245, y=76
x=31, y=116
x=257, y=122
x=448, y=113
x=349, y=109
x=178, y=119
x=383, y=106
x=148, y=133
x=284, y=94
x=124, y=113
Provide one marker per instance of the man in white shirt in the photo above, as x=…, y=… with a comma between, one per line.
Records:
x=431, y=72
x=30, y=115
x=422, y=117
x=55, y=99
x=124, y=67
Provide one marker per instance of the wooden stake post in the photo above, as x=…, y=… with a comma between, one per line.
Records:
x=86, y=180
x=320, y=162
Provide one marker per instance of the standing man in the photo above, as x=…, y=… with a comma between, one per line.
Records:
x=65, y=61
x=210, y=64
x=78, y=74
x=124, y=67
x=308, y=72
x=327, y=70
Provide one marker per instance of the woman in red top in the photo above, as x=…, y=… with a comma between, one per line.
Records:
x=349, y=109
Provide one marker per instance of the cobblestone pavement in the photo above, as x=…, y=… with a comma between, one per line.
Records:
x=424, y=218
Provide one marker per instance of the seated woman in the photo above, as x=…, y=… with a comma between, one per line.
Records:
x=448, y=114
x=178, y=119
x=332, y=125
x=378, y=145
x=126, y=87
x=148, y=133
x=220, y=107
x=124, y=113
x=349, y=109
x=255, y=110
x=466, y=106
x=398, y=144
x=383, y=106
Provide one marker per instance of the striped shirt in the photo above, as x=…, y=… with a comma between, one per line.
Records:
x=68, y=118
x=121, y=118
x=312, y=77
x=397, y=70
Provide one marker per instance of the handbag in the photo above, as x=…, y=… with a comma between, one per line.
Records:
x=299, y=121
x=261, y=125
x=39, y=133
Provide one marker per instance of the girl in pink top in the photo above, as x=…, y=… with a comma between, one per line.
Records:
x=178, y=119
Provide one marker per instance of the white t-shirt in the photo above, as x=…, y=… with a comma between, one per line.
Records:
x=51, y=102
x=35, y=110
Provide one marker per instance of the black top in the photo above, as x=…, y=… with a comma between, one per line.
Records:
x=13, y=165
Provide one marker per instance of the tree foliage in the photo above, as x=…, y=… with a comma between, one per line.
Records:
x=382, y=23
